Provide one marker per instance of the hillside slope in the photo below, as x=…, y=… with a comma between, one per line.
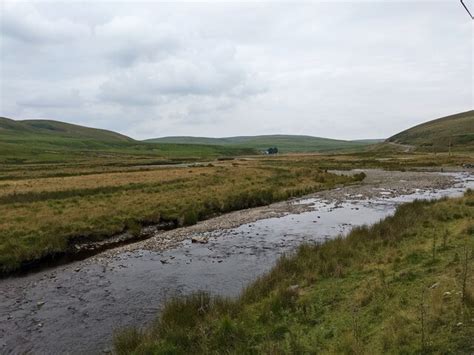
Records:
x=58, y=129
x=285, y=143
x=42, y=141
x=455, y=130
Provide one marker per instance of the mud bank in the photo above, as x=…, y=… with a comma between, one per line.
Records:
x=74, y=308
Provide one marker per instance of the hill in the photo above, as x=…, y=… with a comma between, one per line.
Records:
x=42, y=141
x=455, y=130
x=285, y=143
x=58, y=129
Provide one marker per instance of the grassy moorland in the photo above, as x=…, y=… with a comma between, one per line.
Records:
x=403, y=285
x=43, y=216
x=455, y=132
x=54, y=142
x=379, y=158
x=63, y=184
x=48, y=208
x=285, y=143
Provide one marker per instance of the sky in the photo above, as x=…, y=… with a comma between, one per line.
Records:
x=348, y=70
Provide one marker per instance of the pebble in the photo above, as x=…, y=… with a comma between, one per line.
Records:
x=200, y=240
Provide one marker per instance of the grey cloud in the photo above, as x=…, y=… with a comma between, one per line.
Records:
x=191, y=74
x=22, y=22
x=129, y=40
x=55, y=100
x=151, y=69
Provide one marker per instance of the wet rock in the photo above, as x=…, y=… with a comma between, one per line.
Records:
x=200, y=240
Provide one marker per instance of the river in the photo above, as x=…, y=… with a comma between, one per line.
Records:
x=75, y=308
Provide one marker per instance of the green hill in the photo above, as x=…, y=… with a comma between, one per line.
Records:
x=285, y=143
x=42, y=141
x=58, y=129
x=455, y=130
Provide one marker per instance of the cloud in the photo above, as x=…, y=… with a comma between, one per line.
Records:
x=179, y=76
x=22, y=22
x=57, y=100
x=347, y=70
x=129, y=40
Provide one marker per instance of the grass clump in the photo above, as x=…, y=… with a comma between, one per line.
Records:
x=375, y=291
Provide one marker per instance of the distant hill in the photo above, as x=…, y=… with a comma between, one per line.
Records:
x=285, y=143
x=53, y=141
x=455, y=130
x=51, y=128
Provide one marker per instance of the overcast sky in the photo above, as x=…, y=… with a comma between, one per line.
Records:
x=357, y=69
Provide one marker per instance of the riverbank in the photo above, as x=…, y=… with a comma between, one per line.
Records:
x=76, y=307
x=377, y=183
x=404, y=284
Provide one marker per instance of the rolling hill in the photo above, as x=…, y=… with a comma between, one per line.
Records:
x=42, y=141
x=49, y=128
x=285, y=143
x=455, y=130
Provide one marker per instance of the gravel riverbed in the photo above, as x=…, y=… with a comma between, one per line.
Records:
x=377, y=183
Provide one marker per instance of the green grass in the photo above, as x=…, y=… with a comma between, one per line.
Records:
x=437, y=135
x=40, y=141
x=403, y=285
x=285, y=143
x=57, y=128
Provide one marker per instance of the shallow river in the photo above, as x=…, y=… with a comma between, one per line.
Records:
x=74, y=308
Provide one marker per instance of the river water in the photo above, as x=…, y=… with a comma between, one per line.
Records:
x=74, y=308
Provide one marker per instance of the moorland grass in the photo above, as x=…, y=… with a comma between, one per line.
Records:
x=454, y=132
x=46, y=142
x=403, y=285
x=46, y=216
